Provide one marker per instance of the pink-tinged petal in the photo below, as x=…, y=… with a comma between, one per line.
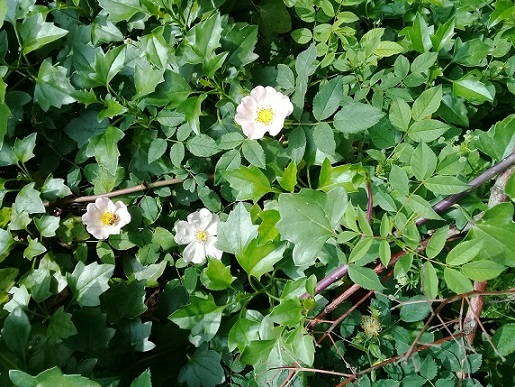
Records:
x=93, y=216
x=184, y=233
x=258, y=93
x=194, y=253
x=98, y=232
x=102, y=203
x=275, y=127
x=254, y=131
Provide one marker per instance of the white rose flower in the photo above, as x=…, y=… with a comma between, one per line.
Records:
x=104, y=218
x=199, y=233
x=264, y=110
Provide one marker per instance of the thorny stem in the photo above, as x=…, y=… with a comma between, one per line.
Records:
x=439, y=207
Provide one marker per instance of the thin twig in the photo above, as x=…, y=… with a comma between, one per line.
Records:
x=124, y=191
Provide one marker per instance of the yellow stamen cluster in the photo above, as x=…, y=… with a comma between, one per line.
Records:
x=109, y=218
x=265, y=116
x=202, y=236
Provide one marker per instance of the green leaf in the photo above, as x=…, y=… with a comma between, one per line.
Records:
x=482, y=270
x=248, y=182
x=388, y=48
x=504, y=339
x=414, y=309
x=157, y=148
x=419, y=34
x=308, y=219
x=472, y=53
x=287, y=313
x=146, y=78
x=347, y=176
x=124, y=300
x=274, y=18
x=113, y=108
x=240, y=41
x=427, y=130
x=427, y=103
x=33, y=249
x=108, y=65
x=258, y=259
x=473, y=90
x=254, y=153
x=50, y=377
x=239, y=219
x=192, y=108
x=443, y=34
x=36, y=33
x=144, y=380
x=302, y=35
x=61, y=325
x=328, y=99
x=499, y=141
x=399, y=180
x=445, y=185
x=423, y=162
x=356, y=117
x=202, y=146
x=5, y=114
x=365, y=277
x=385, y=253
x=323, y=137
x=177, y=153
x=456, y=281
x=429, y=280
x=54, y=188
x=464, y=252
x=360, y=249
x=423, y=62
x=400, y=114
x=201, y=316
x=201, y=41
x=87, y=283
x=122, y=10
x=29, y=200
x=24, y=149
x=437, y=242
x=216, y=276
x=53, y=87
x=204, y=368
x=16, y=332
x=288, y=180
x=104, y=147
x=285, y=78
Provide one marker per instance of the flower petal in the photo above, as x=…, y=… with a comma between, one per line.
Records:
x=194, y=253
x=184, y=233
x=205, y=218
x=212, y=251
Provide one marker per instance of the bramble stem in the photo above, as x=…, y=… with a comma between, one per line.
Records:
x=439, y=207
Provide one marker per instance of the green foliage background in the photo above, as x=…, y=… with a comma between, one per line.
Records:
x=397, y=104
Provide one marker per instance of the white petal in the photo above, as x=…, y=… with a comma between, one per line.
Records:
x=194, y=253
x=212, y=251
x=275, y=127
x=205, y=218
x=184, y=233
x=122, y=213
x=212, y=228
